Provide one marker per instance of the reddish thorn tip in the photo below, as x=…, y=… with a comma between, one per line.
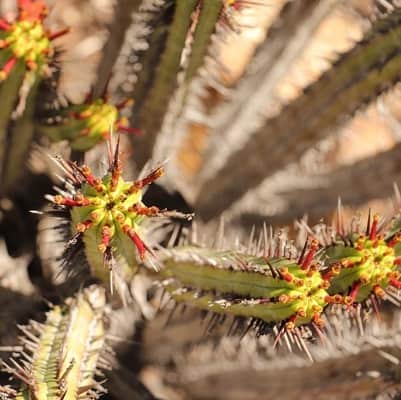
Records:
x=7, y=68
x=373, y=229
x=139, y=244
x=395, y=283
x=4, y=25
x=130, y=130
x=56, y=35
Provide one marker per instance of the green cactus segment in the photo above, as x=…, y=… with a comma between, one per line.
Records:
x=108, y=214
x=367, y=267
x=209, y=14
x=273, y=289
x=170, y=62
x=47, y=357
x=225, y=281
x=88, y=124
x=112, y=212
x=84, y=341
x=19, y=141
x=64, y=350
x=9, y=90
x=250, y=308
x=154, y=107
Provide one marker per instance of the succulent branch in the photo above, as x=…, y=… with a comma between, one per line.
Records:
x=269, y=290
x=351, y=361
x=62, y=355
x=162, y=88
x=108, y=218
x=279, y=291
x=209, y=13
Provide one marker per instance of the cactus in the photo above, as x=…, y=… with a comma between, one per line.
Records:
x=61, y=356
x=107, y=216
x=271, y=290
x=327, y=292
x=161, y=89
x=278, y=293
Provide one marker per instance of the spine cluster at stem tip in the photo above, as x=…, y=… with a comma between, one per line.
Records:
x=25, y=41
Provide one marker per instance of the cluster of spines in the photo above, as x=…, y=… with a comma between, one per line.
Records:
x=61, y=356
x=107, y=217
x=364, y=265
x=353, y=269
x=26, y=40
x=87, y=124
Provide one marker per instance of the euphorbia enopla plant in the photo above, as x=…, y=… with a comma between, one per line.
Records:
x=281, y=294
x=270, y=290
x=61, y=356
x=108, y=219
x=26, y=53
